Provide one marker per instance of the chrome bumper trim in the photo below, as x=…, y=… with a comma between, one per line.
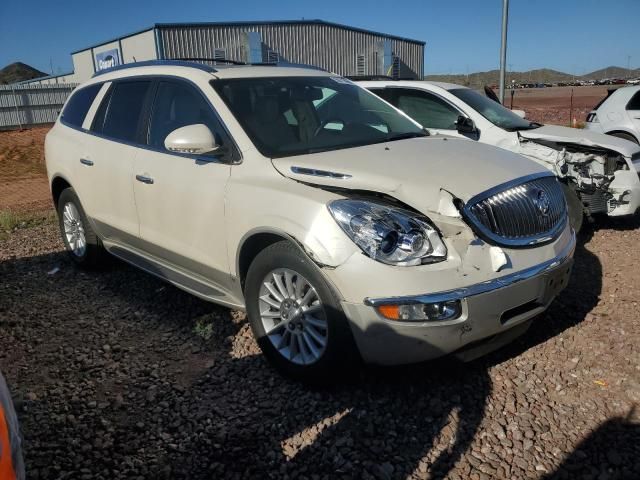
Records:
x=484, y=287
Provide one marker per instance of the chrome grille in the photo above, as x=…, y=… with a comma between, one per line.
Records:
x=525, y=212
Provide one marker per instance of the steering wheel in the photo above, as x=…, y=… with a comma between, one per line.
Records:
x=327, y=122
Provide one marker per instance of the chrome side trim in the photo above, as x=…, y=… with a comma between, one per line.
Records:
x=319, y=173
x=195, y=286
x=461, y=293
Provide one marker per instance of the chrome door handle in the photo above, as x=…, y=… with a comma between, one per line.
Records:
x=87, y=162
x=144, y=179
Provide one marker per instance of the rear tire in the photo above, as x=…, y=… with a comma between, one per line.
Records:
x=626, y=136
x=296, y=317
x=80, y=240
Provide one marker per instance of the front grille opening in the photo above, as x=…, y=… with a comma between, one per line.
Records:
x=519, y=310
x=521, y=214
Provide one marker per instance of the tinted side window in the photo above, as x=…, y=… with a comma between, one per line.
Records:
x=78, y=105
x=177, y=105
x=384, y=93
x=123, y=110
x=634, y=103
x=426, y=109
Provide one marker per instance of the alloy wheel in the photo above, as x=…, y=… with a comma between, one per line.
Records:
x=293, y=316
x=74, y=230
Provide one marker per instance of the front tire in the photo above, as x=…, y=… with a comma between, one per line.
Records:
x=575, y=208
x=296, y=317
x=81, y=242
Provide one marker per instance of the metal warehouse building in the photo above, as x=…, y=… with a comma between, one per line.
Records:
x=338, y=48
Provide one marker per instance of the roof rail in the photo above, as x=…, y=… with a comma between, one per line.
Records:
x=206, y=59
x=149, y=63
x=369, y=77
x=193, y=62
x=255, y=64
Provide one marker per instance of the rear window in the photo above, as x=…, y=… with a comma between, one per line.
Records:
x=634, y=103
x=599, y=104
x=79, y=104
x=120, y=113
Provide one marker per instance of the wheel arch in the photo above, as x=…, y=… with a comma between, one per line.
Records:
x=257, y=240
x=626, y=132
x=58, y=185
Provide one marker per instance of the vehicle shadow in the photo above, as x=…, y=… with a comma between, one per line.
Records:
x=236, y=416
x=603, y=222
x=379, y=423
x=386, y=422
x=612, y=451
x=229, y=417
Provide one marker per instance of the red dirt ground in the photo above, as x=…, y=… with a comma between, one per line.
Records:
x=552, y=104
x=23, y=180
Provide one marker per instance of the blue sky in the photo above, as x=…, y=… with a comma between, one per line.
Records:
x=575, y=36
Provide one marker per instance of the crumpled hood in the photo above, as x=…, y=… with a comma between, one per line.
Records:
x=414, y=170
x=555, y=133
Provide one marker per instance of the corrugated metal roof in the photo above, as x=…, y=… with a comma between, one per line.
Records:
x=252, y=23
x=288, y=22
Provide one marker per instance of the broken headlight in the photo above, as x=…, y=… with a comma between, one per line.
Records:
x=388, y=234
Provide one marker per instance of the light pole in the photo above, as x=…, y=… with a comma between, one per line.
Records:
x=503, y=47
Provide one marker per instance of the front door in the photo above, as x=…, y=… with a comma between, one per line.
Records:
x=181, y=198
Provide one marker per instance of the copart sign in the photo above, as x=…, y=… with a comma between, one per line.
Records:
x=107, y=59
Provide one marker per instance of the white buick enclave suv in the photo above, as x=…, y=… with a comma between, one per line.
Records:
x=344, y=231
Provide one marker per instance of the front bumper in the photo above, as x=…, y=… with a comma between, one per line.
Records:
x=625, y=189
x=493, y=313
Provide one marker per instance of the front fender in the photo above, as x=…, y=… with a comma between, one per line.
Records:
x=297, y=212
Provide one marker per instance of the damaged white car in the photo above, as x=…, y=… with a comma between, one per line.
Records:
x=327, y=214
x=600, y=173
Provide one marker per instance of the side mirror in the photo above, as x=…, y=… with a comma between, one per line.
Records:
x=465, y=125
x=194, y=139
x=520, y=113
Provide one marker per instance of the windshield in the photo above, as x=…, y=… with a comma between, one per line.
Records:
x=493, y=111
x=286, y=116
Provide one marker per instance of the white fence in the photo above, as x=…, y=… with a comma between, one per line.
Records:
x=24, y=105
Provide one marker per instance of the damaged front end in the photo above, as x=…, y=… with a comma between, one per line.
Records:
x=604, y=180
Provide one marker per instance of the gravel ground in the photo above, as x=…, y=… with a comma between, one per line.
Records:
x=118, y=375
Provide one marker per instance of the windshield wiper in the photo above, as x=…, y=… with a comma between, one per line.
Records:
x=531, y=126
x=403, y=136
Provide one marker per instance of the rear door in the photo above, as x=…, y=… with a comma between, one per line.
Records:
x=180, y=197
x=76, y=113
x=111, y=149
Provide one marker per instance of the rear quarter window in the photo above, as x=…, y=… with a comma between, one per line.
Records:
x=78, y=105
x=634, y=103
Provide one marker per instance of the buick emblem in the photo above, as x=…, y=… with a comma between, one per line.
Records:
x=541, y=201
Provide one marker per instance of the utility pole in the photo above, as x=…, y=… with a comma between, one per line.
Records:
x=503, y=47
